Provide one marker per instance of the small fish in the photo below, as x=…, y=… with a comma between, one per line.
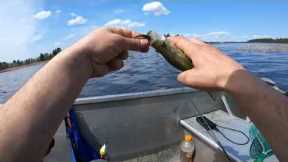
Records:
x=172, y=54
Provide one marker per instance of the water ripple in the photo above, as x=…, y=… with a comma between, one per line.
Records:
x=143, y=72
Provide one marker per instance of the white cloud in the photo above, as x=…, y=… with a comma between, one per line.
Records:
x=69, y=36
x=218, y=34
x=119, y=11
x=257, y=36
x=41, y=15
x=73, y=14
x=73, y=35
x=156, y=7
x=126, y=23
x=214, y=36
x=17, y=29
x=58, y=11
x=58, y=44
x=37, y=37
x=77, y=20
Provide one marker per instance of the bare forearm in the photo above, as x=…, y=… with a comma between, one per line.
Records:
x=44, y=99
x=215, y=70
x=30, y=118
x=265, y=106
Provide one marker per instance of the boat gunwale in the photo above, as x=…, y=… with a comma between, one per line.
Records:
x=133, y=95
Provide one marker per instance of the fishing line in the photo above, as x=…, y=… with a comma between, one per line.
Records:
x=213, y=126
x=235, y=130
x=213, y=136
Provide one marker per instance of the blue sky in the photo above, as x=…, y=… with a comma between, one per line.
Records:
x=34, y=26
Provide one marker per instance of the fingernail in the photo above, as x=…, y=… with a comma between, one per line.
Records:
x=180, y=77
x=144, y=42
x=144, y=45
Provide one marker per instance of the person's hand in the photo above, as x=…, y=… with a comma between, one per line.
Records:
x=106, y=48
x=212, y=68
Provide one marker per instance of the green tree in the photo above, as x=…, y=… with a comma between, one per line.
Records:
x=41, y=57
x=4, y=65
x=56, y=51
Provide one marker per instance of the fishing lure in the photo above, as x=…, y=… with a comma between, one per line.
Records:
x=173, y=55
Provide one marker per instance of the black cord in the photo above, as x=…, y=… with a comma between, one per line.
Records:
x=219, y=144
x=235, y=130
x=214, y=136
x=210, y=125
x=217, y=141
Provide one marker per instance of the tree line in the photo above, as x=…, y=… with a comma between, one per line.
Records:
x=41, y=57
x=269, y=40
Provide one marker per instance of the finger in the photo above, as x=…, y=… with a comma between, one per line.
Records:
x=123, y=55
x=190, y=78
x=99, y=70
x=115, y=64
x=135, y=44
x=186, y=45
x=196, y=79
x=184, y=77
x=124, y=32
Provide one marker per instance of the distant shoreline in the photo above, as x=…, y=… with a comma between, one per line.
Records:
x=18, y=64
x=269, y=40
x=22, y=66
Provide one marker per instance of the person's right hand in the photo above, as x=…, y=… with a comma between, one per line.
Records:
x=212, y=69
x=106, y=48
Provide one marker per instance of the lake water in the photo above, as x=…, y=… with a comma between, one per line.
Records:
x=150, y=71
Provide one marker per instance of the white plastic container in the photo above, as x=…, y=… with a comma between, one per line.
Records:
x=187, y=149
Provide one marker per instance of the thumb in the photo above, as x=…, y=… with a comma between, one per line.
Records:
x=195, y=79
x=188, y=77
x=141, y=45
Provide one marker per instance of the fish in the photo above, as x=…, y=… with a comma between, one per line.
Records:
x=170, y=52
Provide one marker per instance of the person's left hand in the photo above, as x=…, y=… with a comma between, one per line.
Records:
x=106, y=48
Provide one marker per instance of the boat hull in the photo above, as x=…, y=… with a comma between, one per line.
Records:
x=142, y=123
